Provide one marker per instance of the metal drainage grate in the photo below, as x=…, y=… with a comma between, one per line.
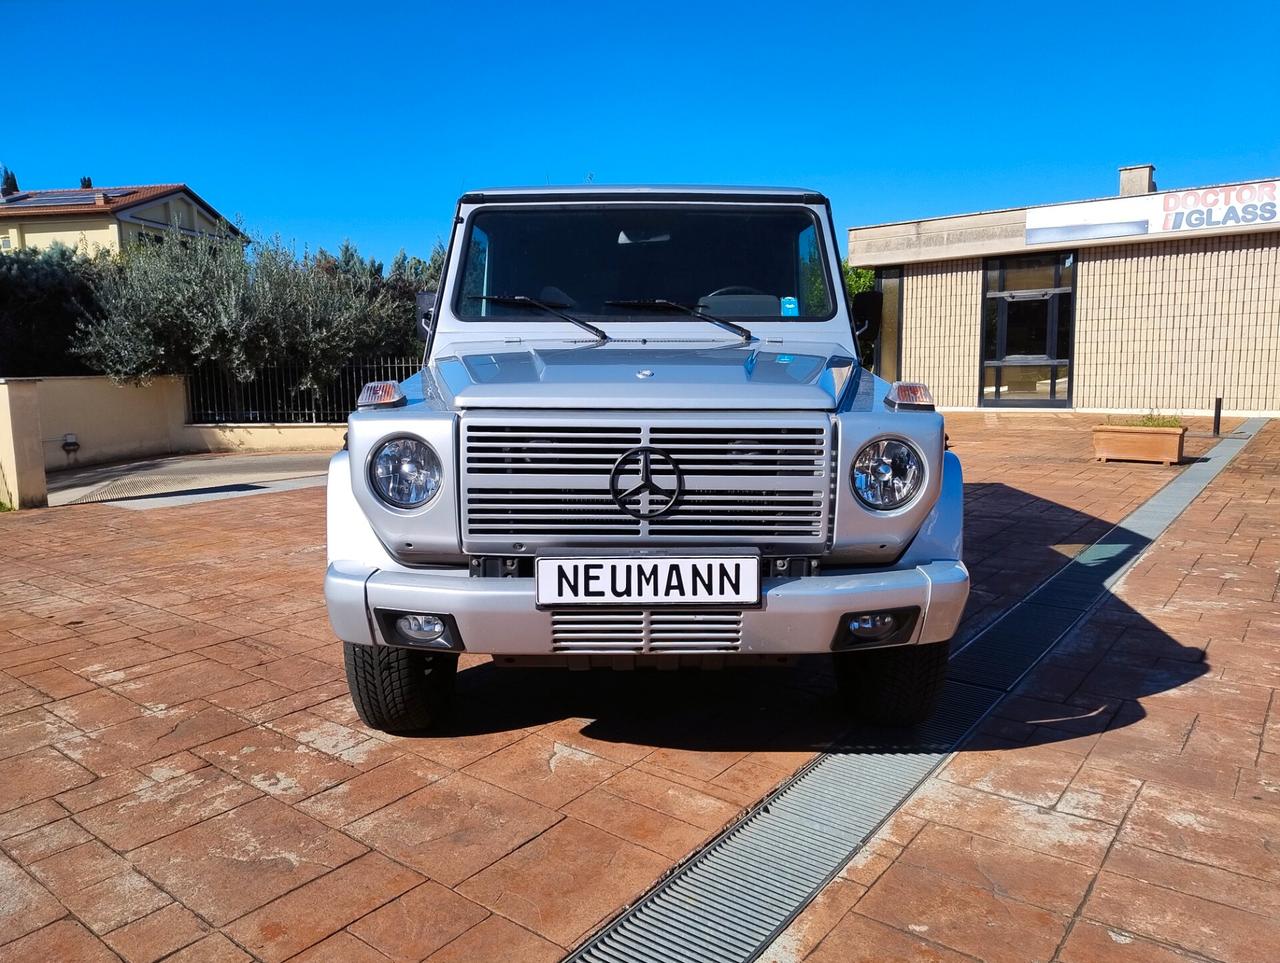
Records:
x=731, y=901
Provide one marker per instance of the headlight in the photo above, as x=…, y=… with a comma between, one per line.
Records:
x=405, y=473
x=887, y=474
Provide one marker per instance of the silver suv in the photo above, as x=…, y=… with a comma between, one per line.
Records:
x=641, y=437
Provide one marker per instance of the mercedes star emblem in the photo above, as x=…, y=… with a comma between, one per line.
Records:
x=644, y=462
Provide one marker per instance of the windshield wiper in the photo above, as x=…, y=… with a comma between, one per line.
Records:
x=663, y=304
x=551, y=307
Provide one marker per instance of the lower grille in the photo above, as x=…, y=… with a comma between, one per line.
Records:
x=645, y=630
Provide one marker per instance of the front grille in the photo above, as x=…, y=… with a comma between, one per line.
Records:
x=748, y=480
x=546, y=450
x=633, y=631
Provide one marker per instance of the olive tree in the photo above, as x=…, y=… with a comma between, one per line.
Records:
x=171, y=306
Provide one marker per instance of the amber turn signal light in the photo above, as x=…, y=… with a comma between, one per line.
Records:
x=909, y=396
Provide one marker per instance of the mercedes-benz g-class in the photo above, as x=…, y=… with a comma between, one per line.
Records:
x=641, y=436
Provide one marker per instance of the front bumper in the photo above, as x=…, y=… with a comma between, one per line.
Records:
x=497, y=616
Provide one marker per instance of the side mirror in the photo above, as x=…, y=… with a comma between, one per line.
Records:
x=426, y=314
x=867, y=312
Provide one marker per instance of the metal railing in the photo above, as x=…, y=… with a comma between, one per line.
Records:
x=215, y=396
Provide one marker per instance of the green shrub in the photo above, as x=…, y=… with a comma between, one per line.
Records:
x=1149, y=420
x=169, y=306
x=43, y=296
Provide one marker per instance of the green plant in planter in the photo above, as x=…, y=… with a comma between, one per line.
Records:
x=1149, y=420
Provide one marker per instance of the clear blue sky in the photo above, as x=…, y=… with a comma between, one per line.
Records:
x=366, y=120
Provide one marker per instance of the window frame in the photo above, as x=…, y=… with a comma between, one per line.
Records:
x=902, y=287
x=821, y=243
x=1053, y=296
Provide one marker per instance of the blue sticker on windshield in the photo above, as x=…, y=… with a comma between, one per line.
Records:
x=786, y=358
x=790, y=308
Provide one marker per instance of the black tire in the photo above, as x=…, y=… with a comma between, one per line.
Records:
x=898, y=686
x=400, y=690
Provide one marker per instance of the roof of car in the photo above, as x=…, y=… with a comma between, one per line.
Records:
x=643, y=191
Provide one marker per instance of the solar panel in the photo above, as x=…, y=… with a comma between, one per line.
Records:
x=47, y=201
x=63, y=198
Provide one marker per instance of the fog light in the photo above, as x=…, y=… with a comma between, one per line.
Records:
x=420, y=628
x=872, y=629
x=874, y=625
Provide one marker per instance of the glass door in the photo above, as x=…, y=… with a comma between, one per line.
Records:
x=1028, y=318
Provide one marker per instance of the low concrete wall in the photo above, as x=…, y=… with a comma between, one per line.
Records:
x=111, y=422
x=117, y=422
x=22, y=483
x=192, y=438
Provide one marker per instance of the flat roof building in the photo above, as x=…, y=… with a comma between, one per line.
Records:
x=1148, y=301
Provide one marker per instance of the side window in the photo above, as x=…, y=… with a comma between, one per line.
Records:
x=814, y=301
x=476, y=280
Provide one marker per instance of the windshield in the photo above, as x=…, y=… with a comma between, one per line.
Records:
x=621, y=262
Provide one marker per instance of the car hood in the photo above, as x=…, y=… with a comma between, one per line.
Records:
x=649, y=375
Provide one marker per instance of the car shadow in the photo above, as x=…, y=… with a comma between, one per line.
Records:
x=187, y=492
x=1089, y=681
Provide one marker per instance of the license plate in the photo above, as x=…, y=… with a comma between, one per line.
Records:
x=647, y=581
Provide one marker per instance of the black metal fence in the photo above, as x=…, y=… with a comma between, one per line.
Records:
x=214, y=396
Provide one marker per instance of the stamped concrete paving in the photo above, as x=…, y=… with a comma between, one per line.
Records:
x=196, y=476
x=181, y=771
x=1122, y=804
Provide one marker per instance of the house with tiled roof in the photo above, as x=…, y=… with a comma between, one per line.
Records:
x=94, y=218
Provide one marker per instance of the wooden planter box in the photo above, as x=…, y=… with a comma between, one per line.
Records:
x=1134, y=443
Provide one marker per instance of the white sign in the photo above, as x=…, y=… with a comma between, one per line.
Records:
x=668, y=580
x=1235, y=207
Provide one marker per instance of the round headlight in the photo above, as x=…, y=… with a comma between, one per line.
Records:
x=887, y=474
x=405, y=473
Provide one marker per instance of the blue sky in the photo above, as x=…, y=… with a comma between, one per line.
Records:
x=324, y=121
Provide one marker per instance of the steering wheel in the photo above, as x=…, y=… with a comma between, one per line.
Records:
x=734, y=289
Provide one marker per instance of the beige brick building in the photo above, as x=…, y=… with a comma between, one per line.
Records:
x=1151, y=300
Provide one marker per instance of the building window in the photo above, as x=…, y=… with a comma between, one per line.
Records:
x=1028, y=316
x=888, y=357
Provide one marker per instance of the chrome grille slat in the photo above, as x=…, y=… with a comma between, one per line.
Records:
x=649, y=630
x=542, y=479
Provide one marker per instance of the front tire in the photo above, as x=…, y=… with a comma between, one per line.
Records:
x=400, y=690
x=898, y=686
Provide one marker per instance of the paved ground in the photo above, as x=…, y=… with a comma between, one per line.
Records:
x=196, y=477
x=1123, y=804
x=181, y=771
